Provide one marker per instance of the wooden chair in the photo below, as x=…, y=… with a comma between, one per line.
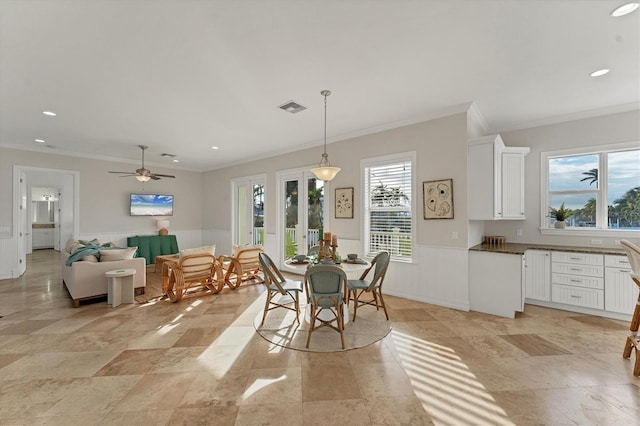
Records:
x=191, y=271
x=357, y=288
x=242, y=265
x=326, y=287
x=633, y=340
x=277, y=286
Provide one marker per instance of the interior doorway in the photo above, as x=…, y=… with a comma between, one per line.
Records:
x=67, y=182
x=44, y=213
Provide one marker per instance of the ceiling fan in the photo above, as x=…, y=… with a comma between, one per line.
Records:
x=142, y=174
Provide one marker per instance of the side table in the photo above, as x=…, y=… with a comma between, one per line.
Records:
x=120, y=286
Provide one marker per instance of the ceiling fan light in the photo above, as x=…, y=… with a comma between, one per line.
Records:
x=143, y=178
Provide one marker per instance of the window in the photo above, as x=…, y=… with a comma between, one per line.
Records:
x=599, y=187
x=388, y=201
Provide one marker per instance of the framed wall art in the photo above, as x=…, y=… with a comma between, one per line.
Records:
x=344, y=203
x=438, y=199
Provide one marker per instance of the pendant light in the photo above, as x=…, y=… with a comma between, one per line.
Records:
x=324, y=171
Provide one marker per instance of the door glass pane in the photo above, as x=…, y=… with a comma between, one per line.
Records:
x=623, y=189
x=315, y=212
x=291, y=218
x=242, y=235
x=258, y=214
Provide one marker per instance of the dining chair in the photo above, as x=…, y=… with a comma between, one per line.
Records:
x=277, y=286
x=357, y=288
x=326, y=287
x=633, y=340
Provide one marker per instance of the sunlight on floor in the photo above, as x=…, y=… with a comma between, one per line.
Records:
x=448, y=390
x=260, y=384
x=232, y=342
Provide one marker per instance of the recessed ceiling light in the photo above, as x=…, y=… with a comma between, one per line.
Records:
x=49, y=113
x=39, y=140
x=214, y=147
x=176, y=161
x=625, y=9
x=599, y=73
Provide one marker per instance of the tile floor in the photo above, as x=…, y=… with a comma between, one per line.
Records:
x=200, y=362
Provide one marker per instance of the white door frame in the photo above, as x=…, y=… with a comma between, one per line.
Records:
x=235, y=184
x=301, y=173
x=71, y=230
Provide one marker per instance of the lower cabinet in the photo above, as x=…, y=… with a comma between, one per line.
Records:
x=537, y=274
x=586, y=282
x=621, y=293
x=495, y=283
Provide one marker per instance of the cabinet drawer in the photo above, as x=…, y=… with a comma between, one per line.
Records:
x=619, y=261
x=574, y=269
x=579, y=258
x=577, y=296
x=578, y=281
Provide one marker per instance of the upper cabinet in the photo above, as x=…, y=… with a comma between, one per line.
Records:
x=496, y=179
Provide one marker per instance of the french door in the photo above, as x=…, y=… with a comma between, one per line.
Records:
x=301, y=213
x=248, y=223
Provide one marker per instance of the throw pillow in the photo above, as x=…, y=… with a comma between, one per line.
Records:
x=199, y=250
x=117, y=254
x=76, y=246
x=70, y=244
x=89, y=258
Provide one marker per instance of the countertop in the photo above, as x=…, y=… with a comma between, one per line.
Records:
x=520, y=248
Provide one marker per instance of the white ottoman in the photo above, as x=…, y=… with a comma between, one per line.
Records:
x=120, y=286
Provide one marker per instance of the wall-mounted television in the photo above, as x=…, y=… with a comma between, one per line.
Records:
x=151, y=205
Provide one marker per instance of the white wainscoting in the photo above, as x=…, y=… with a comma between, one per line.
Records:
x=437, y=275
x=8, y=258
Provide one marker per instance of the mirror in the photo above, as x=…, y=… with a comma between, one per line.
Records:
x=43, y=204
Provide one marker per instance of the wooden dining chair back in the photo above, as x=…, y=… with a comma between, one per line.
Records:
x=243, y=265
x=277, y=287
x=633, y=340
x=191, y=271
x=362, y=286
x=326, y=287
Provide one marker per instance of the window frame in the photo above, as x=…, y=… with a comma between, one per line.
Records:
x=379, y=161
x=602, y=191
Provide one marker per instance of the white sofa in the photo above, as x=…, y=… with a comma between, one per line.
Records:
x=86, y=279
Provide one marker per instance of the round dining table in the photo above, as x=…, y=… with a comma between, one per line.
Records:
x=352, y=269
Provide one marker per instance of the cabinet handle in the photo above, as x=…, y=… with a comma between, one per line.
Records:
x=575, y=281
x=624, y=270
x=575, y=258
x=575, y=269
x=624, y=261
x=576, y=297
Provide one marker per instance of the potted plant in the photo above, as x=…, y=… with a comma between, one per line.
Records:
x=560, y=215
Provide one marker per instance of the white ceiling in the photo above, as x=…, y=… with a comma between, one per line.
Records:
x=182, y=76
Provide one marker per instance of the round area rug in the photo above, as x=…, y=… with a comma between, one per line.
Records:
x=280, y=328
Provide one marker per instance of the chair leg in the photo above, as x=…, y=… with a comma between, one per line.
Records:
x=384, y=306
x=340, y=312
x=266, y=307
x=312, y=324
x=355, y=304
x=297, y=306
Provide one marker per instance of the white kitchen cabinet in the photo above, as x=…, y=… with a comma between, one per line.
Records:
x=578, y=279
x=496, y=179
x=621, y=293
x=537, y=275
x=495, y=283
